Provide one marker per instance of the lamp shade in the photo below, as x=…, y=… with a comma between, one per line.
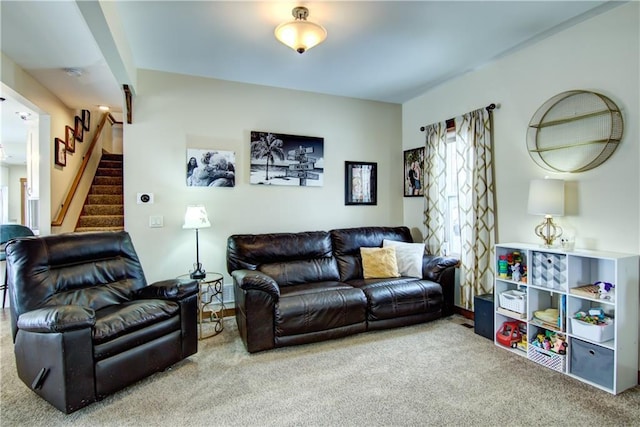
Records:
x=300, y=35
x=196, y=217
x=546, y=197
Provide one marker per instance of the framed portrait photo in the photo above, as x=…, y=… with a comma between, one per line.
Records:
x=86, y=119
x=414, y=172
x=79, y=129
x=360, y=183
x=70, y=139
x=60, y=152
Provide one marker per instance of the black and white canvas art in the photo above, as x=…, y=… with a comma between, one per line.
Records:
x=281, y=159
x=210, y=168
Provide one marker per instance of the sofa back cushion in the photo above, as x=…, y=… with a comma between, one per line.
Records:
x=289, y=258
x=348, y=241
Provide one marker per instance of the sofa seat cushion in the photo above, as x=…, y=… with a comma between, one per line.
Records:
x=314, y=307
x=118, y=320
x=391, y=298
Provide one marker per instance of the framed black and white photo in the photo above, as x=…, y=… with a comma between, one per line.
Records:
x=281, y=159
x=70, y=139
x=79, y=129
x=86, y=119
x=360, y=183
x=60, y=152
x=413, y=172
x=210, y=168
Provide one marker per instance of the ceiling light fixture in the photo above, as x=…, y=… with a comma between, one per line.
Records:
x=103, y=107
x=300, y=34
x=23, y=115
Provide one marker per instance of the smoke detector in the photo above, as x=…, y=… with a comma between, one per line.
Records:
x=73, y=72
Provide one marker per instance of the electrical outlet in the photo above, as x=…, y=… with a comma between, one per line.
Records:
x=144, y=198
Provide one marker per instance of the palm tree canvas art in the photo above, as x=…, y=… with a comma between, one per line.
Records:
x=281, y=159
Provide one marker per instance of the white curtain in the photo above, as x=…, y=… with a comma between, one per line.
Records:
x=474, y=186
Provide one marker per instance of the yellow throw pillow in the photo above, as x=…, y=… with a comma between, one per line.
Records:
x=379, y=263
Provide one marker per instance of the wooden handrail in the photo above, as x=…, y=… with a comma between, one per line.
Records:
x=59, y=219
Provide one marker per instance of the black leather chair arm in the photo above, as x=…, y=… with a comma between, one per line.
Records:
x=433, y=266
x=255, y=280
x=172, y=289
x=59, y=318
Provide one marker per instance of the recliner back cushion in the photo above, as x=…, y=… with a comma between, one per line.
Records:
x=348, y=241
x=290, y=258
x=94, y=269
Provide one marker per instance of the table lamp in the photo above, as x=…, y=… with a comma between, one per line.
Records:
x=546, y=197
x=196, y=218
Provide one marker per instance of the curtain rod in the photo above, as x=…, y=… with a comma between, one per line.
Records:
x=489, y=108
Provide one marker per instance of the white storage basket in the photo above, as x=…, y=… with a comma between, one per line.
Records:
x=514, y=300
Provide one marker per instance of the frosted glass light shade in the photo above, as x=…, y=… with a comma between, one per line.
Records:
x=300, y=35
x=196, y=217
x=546, y=197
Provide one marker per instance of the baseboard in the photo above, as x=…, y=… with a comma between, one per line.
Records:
x=467, y=314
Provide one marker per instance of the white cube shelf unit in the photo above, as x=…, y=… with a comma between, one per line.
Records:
x=551, y=280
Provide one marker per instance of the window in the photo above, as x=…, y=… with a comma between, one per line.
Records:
x=453, y=242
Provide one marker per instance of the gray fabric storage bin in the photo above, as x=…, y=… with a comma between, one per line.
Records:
x=592, y=362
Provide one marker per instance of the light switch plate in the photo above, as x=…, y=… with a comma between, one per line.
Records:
x=156, y=221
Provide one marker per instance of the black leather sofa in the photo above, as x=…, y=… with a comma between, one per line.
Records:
x=295, y=288
x=84, y=322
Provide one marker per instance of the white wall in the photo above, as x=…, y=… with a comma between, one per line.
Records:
x=601, y=55
x=172, y=112
x=15, y=173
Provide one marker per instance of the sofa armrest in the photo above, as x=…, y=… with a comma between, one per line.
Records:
x=433, y=266
x=172, y=289
x=442, y=270
x=59, y=318
x=256, y=280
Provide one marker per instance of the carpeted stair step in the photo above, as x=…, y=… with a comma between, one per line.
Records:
x=101, y=221
x=105, y=199
x=88, y=210
x=105, y=189
x=108, y=180
x=104, y=206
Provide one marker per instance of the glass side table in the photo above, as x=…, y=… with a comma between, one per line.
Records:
x=210, y=303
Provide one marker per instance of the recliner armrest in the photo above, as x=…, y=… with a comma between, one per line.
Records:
x=59, y=318
x=256, y=280
x=172, y=289
x=433, y=266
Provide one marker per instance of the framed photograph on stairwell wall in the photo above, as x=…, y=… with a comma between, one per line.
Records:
x=79, y=129
x=70, y=139
x=60, y=148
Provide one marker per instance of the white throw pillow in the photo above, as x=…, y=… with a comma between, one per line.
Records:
x=408, y=256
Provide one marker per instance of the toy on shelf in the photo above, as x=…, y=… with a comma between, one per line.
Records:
x=606, y=290
x=551, y=341
x=595, y=316
x=516, y=273
x=509, y=334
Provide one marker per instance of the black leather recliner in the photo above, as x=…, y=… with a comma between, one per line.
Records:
x=84, y=322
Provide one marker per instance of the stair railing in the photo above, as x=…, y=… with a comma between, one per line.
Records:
x=59, y=219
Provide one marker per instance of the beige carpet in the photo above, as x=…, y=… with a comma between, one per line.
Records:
x=439, y=373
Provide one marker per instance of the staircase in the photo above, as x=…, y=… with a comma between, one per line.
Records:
x=104, y=207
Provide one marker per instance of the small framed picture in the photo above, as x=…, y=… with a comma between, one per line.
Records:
x=360, y=183
x=70, y=139
x=86, y=119
x=60, y=152
x=79, y=129
x=413, y=172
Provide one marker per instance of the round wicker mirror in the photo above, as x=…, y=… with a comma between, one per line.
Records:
x=574, y=131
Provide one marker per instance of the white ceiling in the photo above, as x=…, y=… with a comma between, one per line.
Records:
x=386, y=51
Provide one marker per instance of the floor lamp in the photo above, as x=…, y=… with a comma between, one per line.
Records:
x=196, y=218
